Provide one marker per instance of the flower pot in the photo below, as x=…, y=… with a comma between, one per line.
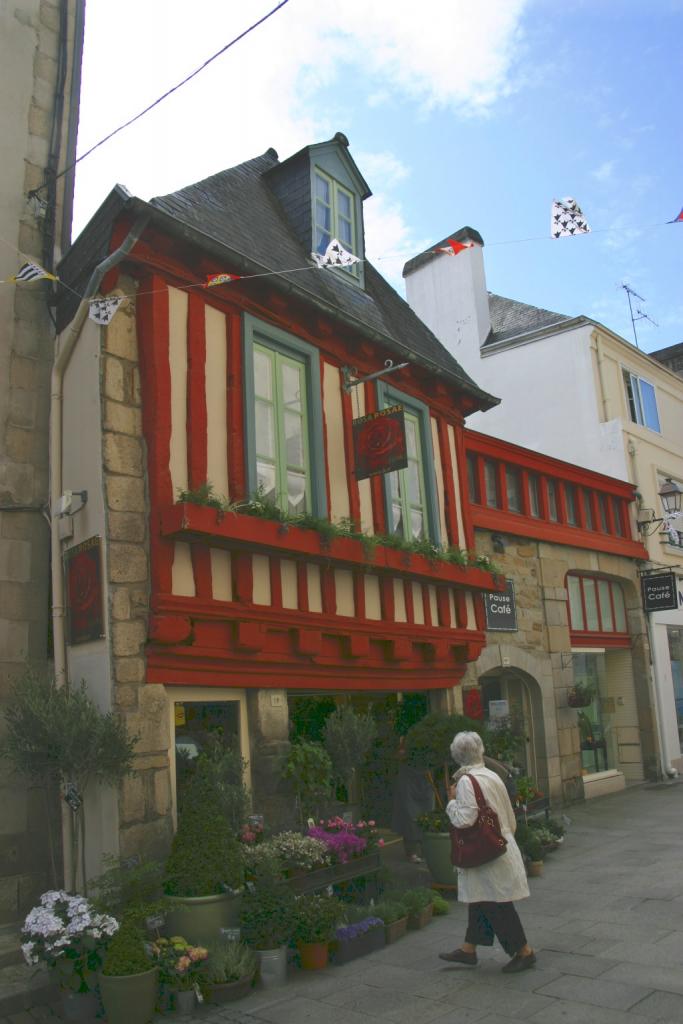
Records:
x=129, y=999
x=185, y=1001
x=273, y=966
x=535, y=868
x=576, y=700
x=362, y=945
x=78, y=1006
x=396, y=930
x=228, y=991
x=421, y=919
x=199, y=919
x=436, y=849
x=314, y=956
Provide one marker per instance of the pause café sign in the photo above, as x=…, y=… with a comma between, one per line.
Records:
x=501, y=613
x=659, y=591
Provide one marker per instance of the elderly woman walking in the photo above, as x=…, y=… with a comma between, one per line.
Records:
x=488, y=890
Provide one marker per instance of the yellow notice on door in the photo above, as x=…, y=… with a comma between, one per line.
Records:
x=180, y=714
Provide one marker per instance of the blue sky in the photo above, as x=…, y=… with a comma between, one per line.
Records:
x=457, y=113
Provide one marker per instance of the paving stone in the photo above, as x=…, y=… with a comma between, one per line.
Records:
x=575, y=963
x=300, y=1010
x=661, y=1004
x=565, y=1012
x=481, y=996
x=596, y=991
x=654, y=976
x=392, y=1005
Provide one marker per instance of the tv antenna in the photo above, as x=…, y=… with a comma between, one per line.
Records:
x=638, y=314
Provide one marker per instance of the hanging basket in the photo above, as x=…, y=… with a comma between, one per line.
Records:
x=579, y=700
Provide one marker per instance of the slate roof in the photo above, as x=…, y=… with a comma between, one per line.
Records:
x=512, y=319
x=237, y=207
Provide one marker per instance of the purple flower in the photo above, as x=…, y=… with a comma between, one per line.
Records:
x=342, y=844
x=353, y=931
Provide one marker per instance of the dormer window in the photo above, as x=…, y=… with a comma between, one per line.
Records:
x=334, y=217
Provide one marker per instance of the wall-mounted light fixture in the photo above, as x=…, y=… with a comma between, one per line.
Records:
x=670, y=494
x=498, y=543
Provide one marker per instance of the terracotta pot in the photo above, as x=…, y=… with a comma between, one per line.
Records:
x=315, y=956
x=396, y=930
x=535, y=868
x=421, y=919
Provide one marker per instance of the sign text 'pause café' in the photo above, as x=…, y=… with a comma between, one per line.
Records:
x=659, y=591
x=501, y=613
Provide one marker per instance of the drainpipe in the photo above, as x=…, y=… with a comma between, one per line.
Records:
x=64, y=350
x=601, y=377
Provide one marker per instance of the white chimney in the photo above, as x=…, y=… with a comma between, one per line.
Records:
x=448, y=292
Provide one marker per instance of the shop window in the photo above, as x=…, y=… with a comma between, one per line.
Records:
x=642, y=401
x=570, y=503
x=283, y=420
x=551, y=490
x=594, y=723
x=675, y=636
x=596, y=605
x=513, y=486
x=210, y=730
x=534, y=500
x=491, y=483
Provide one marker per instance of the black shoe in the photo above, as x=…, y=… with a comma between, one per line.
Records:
x=520, y=963
x=459, y=956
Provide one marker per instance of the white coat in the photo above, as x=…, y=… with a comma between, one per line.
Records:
x=501, y=880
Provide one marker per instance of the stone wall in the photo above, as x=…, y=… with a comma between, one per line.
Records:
x=29, y=44
x=541, y=650
x=145, y=800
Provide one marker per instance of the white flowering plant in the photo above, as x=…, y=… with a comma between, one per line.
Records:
x=68, y=935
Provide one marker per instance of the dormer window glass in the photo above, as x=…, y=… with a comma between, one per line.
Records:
x=334, y=217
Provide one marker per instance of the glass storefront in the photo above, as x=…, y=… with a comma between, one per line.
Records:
x=675, y=634
x=598, y=739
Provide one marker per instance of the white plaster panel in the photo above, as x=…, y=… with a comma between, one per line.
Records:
x=373, y=604
x=418, y=606
x=216, y=377
x=399, y=601
x=182, y=577
x=364, y=490
x=261, y=575
x=336, y=457
x=343, y=583
x=221, y=574
x=177, y=355
x=458, y=484
x=315, y=600
x=288, y=582
x=438, y=472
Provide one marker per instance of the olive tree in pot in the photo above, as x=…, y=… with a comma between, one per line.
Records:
x=309, y=769
x=204, y=871
x=128, y=980
x=267, y=919
x=348, y=738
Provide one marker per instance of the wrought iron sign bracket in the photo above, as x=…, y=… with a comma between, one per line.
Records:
x=350, y=372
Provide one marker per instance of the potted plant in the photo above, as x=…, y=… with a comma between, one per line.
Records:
x=362, y=933
x=581, y=695
x=348, y=737
x=309, y=769
x=180, y=967
x=66, y=934
x=534, y=854
x=435, y=827
x=128, y=980
x=229, y=971
x=418, y=903
x=315, y=919
x=395, y=918
x=299, y=854
x=204, y=871
x=267, y=921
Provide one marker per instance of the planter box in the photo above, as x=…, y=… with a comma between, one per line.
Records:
x=369, y=942
x=421, y=919
x=335, y=873
x=396, y=930
x=186, y=522
x=230, y=990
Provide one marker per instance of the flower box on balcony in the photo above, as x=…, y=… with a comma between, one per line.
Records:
x=184, y=521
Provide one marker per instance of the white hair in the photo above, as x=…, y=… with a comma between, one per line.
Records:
x=467, y=748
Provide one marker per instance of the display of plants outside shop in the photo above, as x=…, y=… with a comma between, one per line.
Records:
x=358, y=938
x=348, y=737
x=180, y=970
x=309, y=770
x=267, y=909
x=292, y=851
x=345, y=840
x=314, y=921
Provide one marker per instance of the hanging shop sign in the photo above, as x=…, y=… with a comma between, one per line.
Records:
x=83, y=571
x=659, y=591
x=501, y=611
x=379, y=442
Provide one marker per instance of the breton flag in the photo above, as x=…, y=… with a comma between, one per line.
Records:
x=453, y=247
x=334, y=256
x=215, y=279
x=567, y=218
x=32, y=272
x=102, y=311
x=677, y=220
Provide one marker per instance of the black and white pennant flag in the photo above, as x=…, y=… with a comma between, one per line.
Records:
x=335, y=256
x=102, y=311
x=567, y=218
x=31, y=272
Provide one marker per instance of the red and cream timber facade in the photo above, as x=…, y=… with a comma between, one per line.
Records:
x=205, y=607
x=563, y=538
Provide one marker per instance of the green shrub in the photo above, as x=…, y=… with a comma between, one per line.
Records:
x=126, y=952
x=428, y=742
x=309, y=770
x=416, y=900
x=389, y=911
x=267, y=910
x=129, y=889
x=316, y=917
x=205, y=858
x=348, y=738
x=229, y=961
x=434, y=822
x=556, y=827
x=534, y=849
x=440, y=906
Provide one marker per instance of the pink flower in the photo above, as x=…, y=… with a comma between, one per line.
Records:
x=371, y=824
x=380, y=842
x=183, y=963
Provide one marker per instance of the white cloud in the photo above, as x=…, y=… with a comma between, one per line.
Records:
x=266, y=91
x=381, y=170
x=605, y=171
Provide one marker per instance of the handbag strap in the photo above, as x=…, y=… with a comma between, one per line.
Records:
x=480, y=798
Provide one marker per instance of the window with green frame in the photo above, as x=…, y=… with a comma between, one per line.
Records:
x=334, y=216
x=411, y=492
x=283, y=420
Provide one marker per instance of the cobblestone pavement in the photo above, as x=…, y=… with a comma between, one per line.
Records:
x=606, y=920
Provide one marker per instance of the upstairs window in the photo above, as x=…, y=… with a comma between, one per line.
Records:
x=552, y=500
x=534, y=500
x=410, y=493
x=513, y=487
x=491, y=483
x=596, y=605
x=334, y=217
x=642, y=401
x=570, y=503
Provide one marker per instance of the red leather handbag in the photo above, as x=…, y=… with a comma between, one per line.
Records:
x=481, y=842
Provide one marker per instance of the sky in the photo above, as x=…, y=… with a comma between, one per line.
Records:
x=458, y=113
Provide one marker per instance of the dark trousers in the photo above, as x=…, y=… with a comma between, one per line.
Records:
x=484, y=920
